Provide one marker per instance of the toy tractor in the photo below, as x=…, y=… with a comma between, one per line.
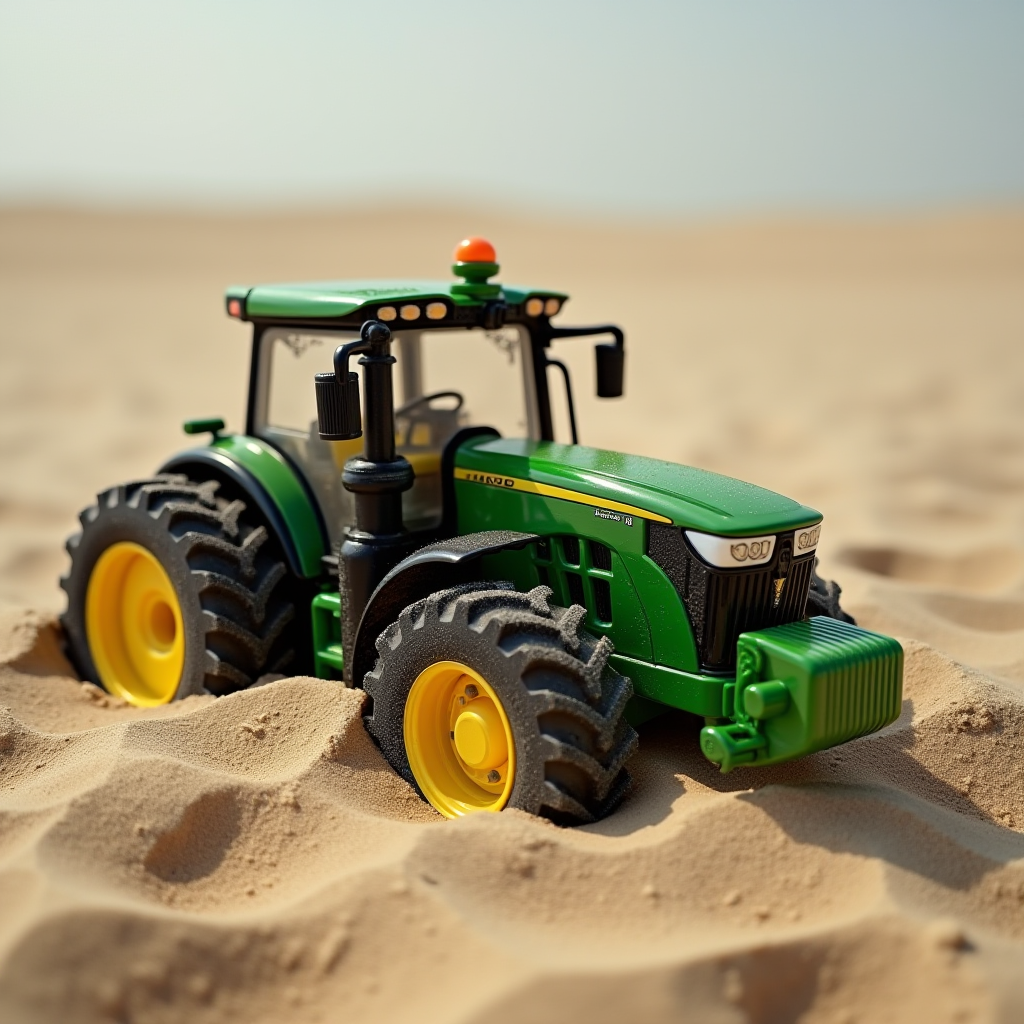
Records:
x=512, y=606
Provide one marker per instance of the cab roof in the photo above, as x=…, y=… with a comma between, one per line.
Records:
x=329, y=299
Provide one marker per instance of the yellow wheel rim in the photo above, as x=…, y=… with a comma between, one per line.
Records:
x=459, y=741
x=134, y=627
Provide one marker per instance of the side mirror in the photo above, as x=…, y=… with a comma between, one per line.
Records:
x=611, y=366
x=337, y=407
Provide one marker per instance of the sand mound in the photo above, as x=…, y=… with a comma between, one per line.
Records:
x=254, y=858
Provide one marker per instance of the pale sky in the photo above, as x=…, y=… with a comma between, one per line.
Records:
x=647, y=107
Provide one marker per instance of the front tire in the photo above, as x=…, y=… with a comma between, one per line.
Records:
x=823, y=598
x=172, y=591
x=484, y=697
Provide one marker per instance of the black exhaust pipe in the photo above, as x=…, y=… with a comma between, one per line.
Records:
x=378, y=540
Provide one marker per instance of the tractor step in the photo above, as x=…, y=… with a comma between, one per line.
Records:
x=327, y=655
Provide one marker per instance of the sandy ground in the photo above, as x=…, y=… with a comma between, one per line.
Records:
x=253, y=858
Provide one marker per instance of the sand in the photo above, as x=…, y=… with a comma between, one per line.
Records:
x=253, y=858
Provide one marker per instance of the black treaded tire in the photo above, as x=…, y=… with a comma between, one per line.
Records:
x=563, y=699
x=823, y=598
x=223, y=568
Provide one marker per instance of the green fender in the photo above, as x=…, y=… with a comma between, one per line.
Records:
x=274, y=486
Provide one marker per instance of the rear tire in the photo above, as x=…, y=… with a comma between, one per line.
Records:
x=216, y=579
x=559, y=697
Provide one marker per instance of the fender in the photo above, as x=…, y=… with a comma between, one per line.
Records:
x=273, y=485
x=434, y=567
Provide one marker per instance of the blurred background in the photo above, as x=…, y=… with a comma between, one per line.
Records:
x=600, y=108
x=808, y=218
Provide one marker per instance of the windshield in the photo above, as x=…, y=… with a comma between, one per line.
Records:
x=485, y=367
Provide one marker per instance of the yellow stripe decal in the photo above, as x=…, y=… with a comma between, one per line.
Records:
x=515, y=483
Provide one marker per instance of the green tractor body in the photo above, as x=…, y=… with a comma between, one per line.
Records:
x=700, y=582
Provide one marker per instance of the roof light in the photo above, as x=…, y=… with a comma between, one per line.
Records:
x=534, y=306
x=410, y=312
x=436, y=311
x=475, y=250
x=234, y=307
x=387, y=313
x=552, y=306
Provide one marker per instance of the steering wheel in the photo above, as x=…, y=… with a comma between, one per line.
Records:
x=415, y=403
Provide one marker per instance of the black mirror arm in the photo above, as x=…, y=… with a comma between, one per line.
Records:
x=554, y=333
x=568, y=397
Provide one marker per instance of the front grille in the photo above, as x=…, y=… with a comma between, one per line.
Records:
x=574, y=582
x=722, y=603
x=579, y=571
x=571, y=550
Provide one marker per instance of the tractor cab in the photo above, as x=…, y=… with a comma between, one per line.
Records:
x=466, y=353
x=445, y=381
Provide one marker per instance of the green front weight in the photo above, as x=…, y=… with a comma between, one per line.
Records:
x=804, y=687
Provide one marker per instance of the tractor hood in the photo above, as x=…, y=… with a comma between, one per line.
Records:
x=661, y=491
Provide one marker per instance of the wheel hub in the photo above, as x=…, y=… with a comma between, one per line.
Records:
x=459, y=741
x=480, y=735
x=134, y=625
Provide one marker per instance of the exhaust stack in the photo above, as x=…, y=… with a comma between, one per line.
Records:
x=377, y=478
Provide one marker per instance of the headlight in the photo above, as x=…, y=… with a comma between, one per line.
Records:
x=741, y=552
x=732, y=552
x=805, y=540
